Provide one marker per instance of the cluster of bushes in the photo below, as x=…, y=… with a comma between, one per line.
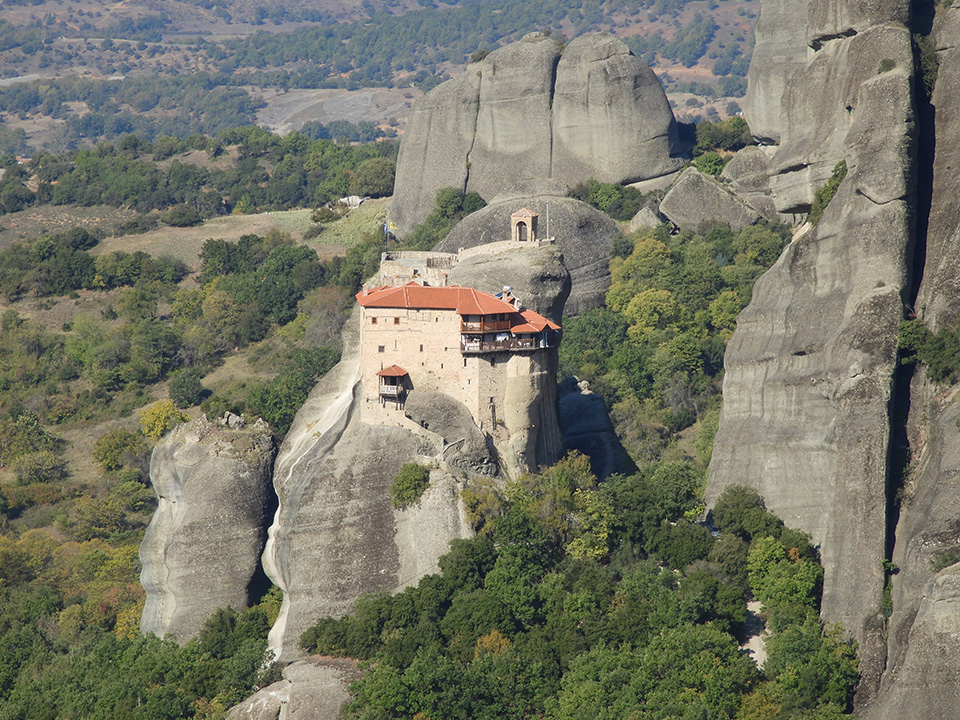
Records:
x=59, y=264
x=451, y=207
x=939, y=351
x=71, y=646
x=272, y=173
x=580, y=599
x=655, y=352
x=621, y=202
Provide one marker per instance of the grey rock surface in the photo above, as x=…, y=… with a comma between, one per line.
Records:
x=587, y=429
x=646, y=217
x=513, y=115
x=314, y=688
x=925, y=684
x=538, y=276
x=695, y=197
x=202, y=547
x=809, y=370
x=609, y=112
x=920, y=681
x=938, y=302
x=822, y=104
x=524, y=112
x=452, y=421
x=831, y=19
x=780, y=49
x=583, y=235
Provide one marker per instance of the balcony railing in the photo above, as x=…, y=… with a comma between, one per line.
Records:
x=469, y=347
x=391, y=390
x=484, y=326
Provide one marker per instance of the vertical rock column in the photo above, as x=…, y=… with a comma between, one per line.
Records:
x=203, y=545
x=810, y=368
x=921, y=679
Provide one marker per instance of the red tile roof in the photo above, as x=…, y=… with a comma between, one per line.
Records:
x=527, y=321
x=393, y=371
x=524, y=212
x=466, y=301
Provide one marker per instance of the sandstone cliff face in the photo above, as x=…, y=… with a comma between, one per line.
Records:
x=920, y=680
x=583, y=237
x=202, y=547
x=810, y=368
x=780, y=49
x=335, y=535
x=526, y=112
x=938, y=301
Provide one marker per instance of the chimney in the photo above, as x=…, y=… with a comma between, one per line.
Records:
x=366, y=290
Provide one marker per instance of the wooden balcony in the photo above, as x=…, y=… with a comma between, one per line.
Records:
x=391, y=391
x=484, y=326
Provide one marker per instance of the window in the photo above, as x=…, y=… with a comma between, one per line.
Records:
x=373, y=321
x=421, y=348
x=464, y=362
x=396, y=321
x=381, y=348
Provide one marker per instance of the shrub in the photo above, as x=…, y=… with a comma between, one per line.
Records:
x=159, y=418
x=186, y=389
x=886, y=65
x=117, y=448
x=181, y=216
x=825, y=194
x=409, y=484
x=39, y=467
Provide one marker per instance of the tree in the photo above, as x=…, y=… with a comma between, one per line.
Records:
x=181, y=216
x=186, y=388
x=117, y=448
x=374, y=177
x=157, y=419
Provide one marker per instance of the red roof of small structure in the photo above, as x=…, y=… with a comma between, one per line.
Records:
x=393, y=371
x=466, y=301
x=527, y=321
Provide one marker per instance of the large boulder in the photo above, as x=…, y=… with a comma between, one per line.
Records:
x=525, y=112
x=513, y=109
x=810, y=370
x=695, y=198
x=538, y=276
x=583, y=235
x=587, y=429
x=780, y=50
x=314, y=688
x=611, y=119
x=202, y=548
